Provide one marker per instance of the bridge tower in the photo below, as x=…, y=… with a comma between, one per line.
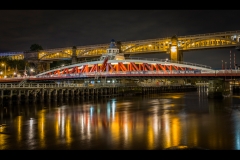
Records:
x=74, y=54
x=175, y=53
x=119, y=45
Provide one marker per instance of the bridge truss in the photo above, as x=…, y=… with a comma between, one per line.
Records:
x=185, y=43
x=125, y=67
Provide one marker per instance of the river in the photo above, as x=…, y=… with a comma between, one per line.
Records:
x=150, y=122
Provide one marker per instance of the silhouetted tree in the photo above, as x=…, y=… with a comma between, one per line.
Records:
x=35, y=47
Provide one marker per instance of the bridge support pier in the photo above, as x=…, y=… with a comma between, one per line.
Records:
x=19, y=96
x=34, y=99
x=72, y=94
x=74, y=54
x=26, y=96
x=175, y=53
x=61, y=95
x=49, y=95
x=55, y=95
x=1, y=95
x=77, y=93
x=10, y=96
x=42, y=95
x=67, y=94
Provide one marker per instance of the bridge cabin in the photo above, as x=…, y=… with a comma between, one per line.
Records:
x=113, y=52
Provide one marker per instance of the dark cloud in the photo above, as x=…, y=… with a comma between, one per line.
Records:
x=65, y=28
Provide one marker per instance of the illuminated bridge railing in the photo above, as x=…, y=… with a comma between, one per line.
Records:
x=146, y=73
x=211, y=34
x=54, y=86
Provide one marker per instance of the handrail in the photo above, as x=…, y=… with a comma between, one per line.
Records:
x=227, y=72
x=132, y=73
x=46, y=85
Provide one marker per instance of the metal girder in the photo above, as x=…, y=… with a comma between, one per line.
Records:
x=116, y=67
x=185, y=43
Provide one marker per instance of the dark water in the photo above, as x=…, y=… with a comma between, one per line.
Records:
x=157, y=121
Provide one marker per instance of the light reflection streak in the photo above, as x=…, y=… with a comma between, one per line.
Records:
x=167, y=131
x=62, y=124
x=237, y=141
x=125, y=128
x=57, y=128
x=41, y=122
x=68, y=130
x=88, y=128
x=237, y=131
x=30, y=129
x=175, y=132
x=91, y=112
x=113, y=109
x=82, y=123
x=194, y=133
x=19, y=122
x=115, y=129
x=57, y=124
x=3, y=138
x=150, y=135
x=108, y=110
x=155, y=125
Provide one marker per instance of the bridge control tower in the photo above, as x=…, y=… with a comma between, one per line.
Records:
x=113, y=52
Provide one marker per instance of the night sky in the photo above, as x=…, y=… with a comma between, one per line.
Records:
x=51, y=29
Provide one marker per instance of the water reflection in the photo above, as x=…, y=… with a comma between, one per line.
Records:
x=157, y=121
x=41, y=127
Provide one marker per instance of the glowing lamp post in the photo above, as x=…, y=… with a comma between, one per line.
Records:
x=31, y=71
x=173, y=49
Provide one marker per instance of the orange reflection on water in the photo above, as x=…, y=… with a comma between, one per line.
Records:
x=150, y=134
x=19, y=128
x=68, y=130
x=166, y=131
x=57, y=123
x=115, y=128
x=41, y=127
x=193, y=135
x=176, y=133
x=3, y=138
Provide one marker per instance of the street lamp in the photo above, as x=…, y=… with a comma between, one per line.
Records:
x=5, y=69
x=31, y=70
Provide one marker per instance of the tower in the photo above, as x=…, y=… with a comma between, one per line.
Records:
x=175, y=54
x=113, y=52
